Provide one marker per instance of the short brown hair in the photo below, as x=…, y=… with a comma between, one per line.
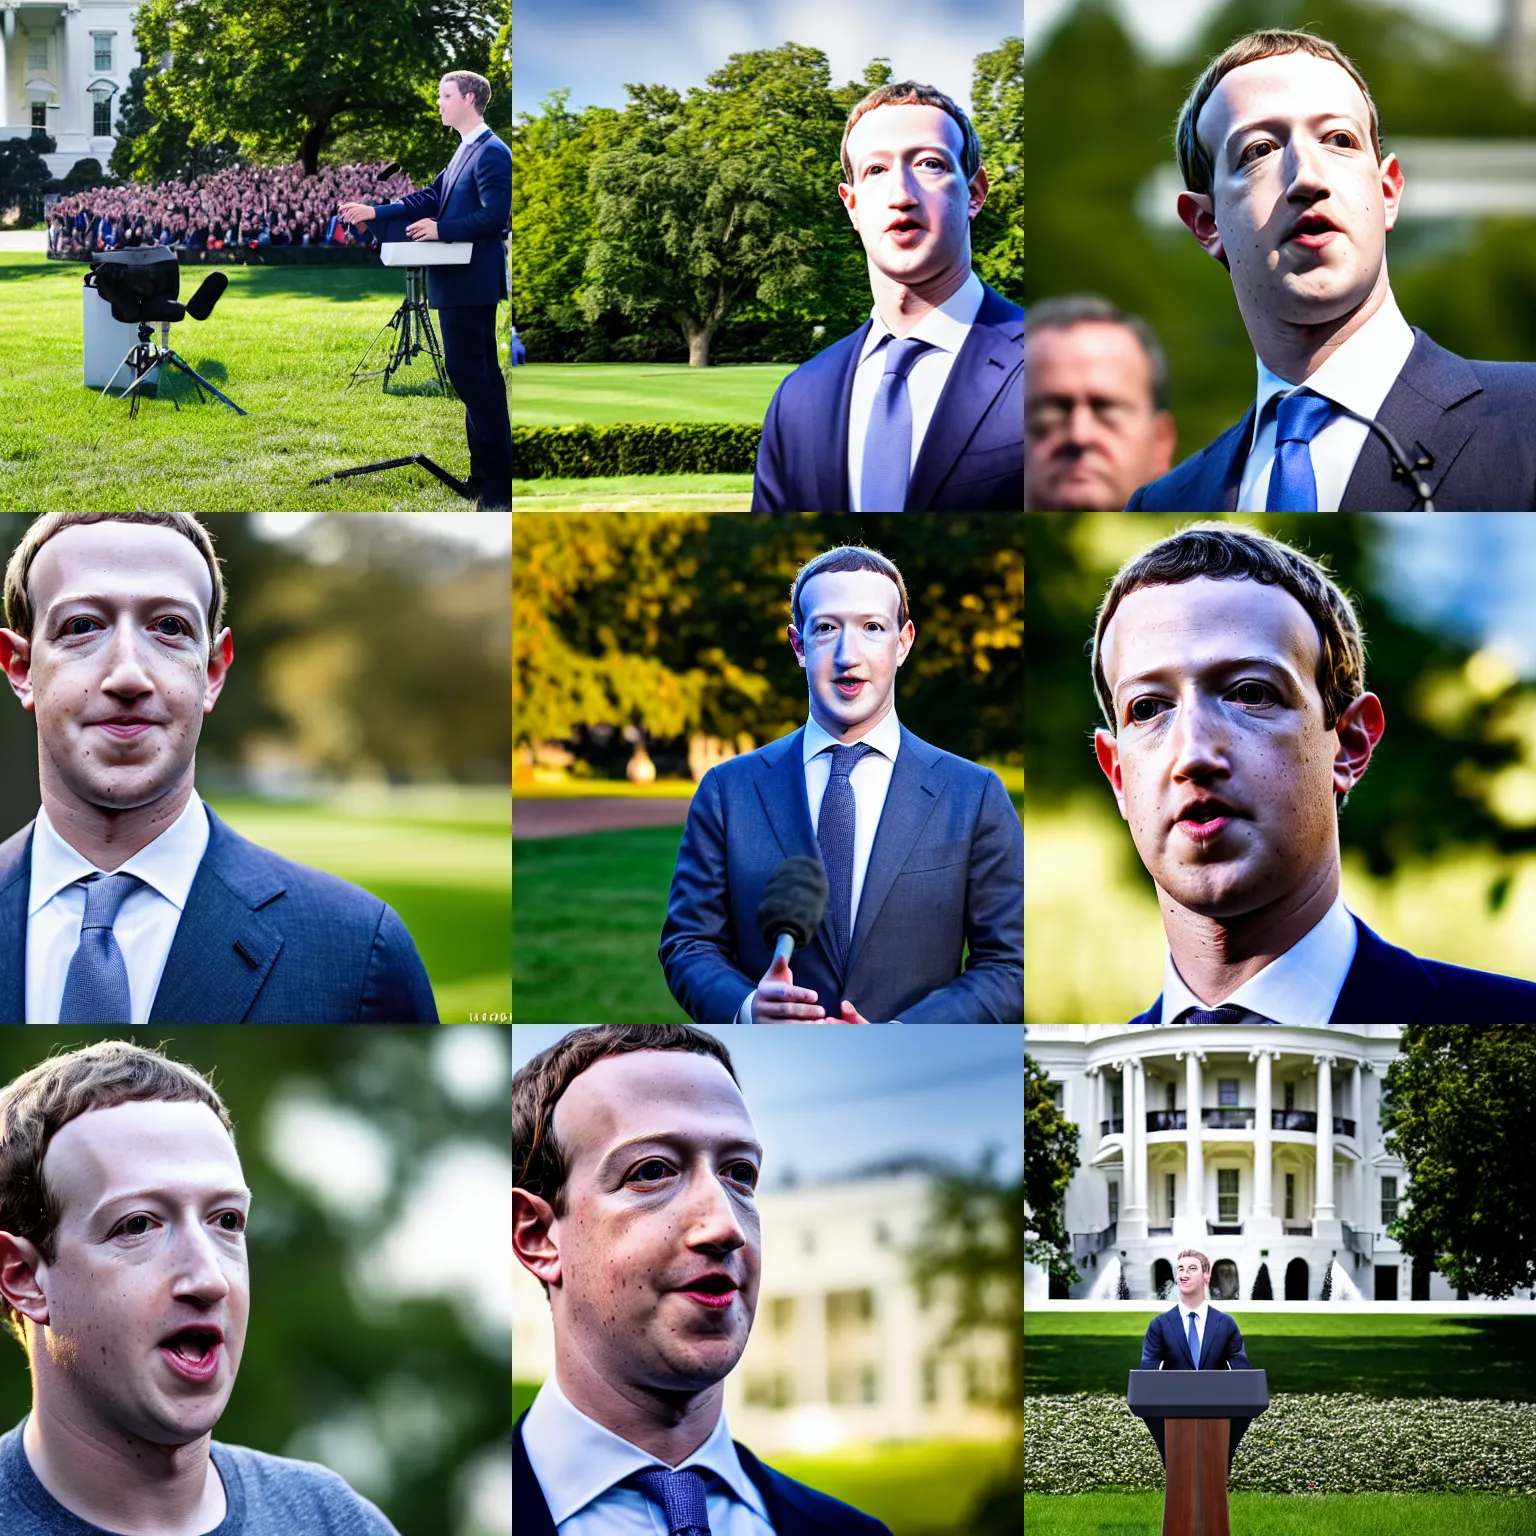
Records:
x=908, y=93
x=538, y=1164
x=1227, y=552
x=1195, y=164
x=18, y=600
x=848, y=557
x=36, y=1106
x=1194, y=1253
x=467, y=83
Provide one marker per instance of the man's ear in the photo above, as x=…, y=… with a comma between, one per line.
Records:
x=978, y=191
x=905, y=637
x=796, y=644
x=1359, y=728
x=16, y=660
x=19, y=1264
x=1107, y=750
x=533, y=1239
x=1198, y=211
x=221, y=655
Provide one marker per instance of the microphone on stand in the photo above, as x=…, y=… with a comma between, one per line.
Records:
x=793, y=903
x=1409, y=474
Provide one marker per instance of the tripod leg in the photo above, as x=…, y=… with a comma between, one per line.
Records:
x=183, y=366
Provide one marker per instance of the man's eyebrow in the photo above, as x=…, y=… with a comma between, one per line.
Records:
x=107, y=600
x=678, y=1139
x=231, y=1192
x=815, y=614
x=1315, y=121
x=1226, y=664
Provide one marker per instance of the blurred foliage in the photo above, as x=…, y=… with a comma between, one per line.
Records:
x=1460, y=1110
x=1101, y=121
x=326, y=1359
x=716, y=211
x=1050, y=1160
x=673, y=624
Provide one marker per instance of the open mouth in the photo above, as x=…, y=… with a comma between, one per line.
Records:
x=848, y=687
x=712, y=1291
x=904, y=229
x=1205, y=820
x=193, y=1353
x=1311, y=230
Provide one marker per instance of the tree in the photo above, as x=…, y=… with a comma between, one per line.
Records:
x=24, y=175
x=150, y=148
x=1050, y=1160
x=286, y=78
x=1460, y=1110
x=997, y=102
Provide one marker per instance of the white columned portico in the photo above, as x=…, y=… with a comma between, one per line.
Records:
x=1326, y=1226
x=1263, y=1223
x=1133, y=1219
x=1097, y=1075
x=1189, y=1220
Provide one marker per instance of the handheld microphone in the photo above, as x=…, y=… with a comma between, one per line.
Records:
x=792, y=905
x=1409, y=474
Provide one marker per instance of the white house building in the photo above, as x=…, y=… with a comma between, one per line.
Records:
x=1259, y=1145
x=63, y=65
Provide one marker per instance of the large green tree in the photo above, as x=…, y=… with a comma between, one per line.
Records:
x=1050, y=1160
x=151, y=148
x=997, y=102
x=1460, y=1110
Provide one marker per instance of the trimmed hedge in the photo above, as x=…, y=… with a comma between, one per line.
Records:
x=635, y=448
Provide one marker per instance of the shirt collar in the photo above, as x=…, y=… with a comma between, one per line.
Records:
x=1359, y=374
x=469, y=138
x=885, y=738
x=1298, y=988
x=945, y=326
x=577, y=1460
x=169, y=863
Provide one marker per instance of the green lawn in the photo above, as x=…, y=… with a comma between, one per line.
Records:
x=281, y=344
x=1272, y=1514
x=1391, y=1355
x=564, y=394
x=635, y=493
x=444, y=873
x=586, y=920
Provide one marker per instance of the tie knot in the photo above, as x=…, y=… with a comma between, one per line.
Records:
x=843, y=758
x=1301, y=416
x=1223, y=1015
x=901, y=353
x=681, y=1497
x=104, y=894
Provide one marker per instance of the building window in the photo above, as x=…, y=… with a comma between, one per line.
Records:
x=882, y=1235
x=1290, y=1095
x=781, y=1314
x=930, y=1381
x=808, y=1242
x=849, y=1309
x=1171, y=1184
x=1057, y=1094
x=103, y=42
x=37, y=53
x=39, y=116
x=1226, y=1092
x=1388, y=1200
x=101, y=119
x=1169, y=1099
x=1226, y=1196
x=1114, y=1202
x=1290, y=1196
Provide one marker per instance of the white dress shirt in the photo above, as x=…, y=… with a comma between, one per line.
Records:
x=579, y=1464
x=945, y=329
x=870, y=780
x=465, y=140
x=1358, y=375
x=1199, y=1316
x=146, y=921
x=1299, y=987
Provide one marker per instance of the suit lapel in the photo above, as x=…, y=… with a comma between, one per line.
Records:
x=1221, y=471
x=790, y=1513
x=781, y=788
x=832, y=466
x=1385, y=985
x=15, y=885
x=470, y=155
x=530, y=1510
x=223, y=947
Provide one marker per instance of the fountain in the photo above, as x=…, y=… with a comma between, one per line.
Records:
x=1337, y=1286
x=1110, y=1283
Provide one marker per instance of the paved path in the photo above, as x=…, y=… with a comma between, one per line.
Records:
x=594, y=813
x=35, y=240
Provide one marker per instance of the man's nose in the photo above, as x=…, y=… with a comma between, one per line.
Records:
x=1307, y=168
x=900, y=185
x=200, y=1273
x=1197, y=737
x=127, y=671
x=713, y=1221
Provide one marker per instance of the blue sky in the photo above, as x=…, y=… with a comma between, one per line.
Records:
x=594, y=47
x=828, y=1098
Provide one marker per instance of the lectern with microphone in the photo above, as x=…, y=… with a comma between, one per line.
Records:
x=1197, y=1408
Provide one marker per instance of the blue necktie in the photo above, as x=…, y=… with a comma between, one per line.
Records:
x=681, y=1496
x=834, y=832
x=1292, y=485
x=1222, y=1015
x=888, y=442
x=96, y=985
x=1194, y=1342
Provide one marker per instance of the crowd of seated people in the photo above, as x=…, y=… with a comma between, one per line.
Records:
x=252, y=206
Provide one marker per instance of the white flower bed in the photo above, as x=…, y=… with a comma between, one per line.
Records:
x=1306, y=1443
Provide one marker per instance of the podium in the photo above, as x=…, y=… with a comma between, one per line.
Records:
x=1197, y=1408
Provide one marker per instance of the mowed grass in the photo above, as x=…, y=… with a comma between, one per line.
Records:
x=600, y=394
x=1276, y=1514
x=447, y=877
x=586, y=919
x=282, y=344
x=1390, y=1355
x=635, y=493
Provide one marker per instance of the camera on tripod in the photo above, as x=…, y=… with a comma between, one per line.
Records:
x=143, y=288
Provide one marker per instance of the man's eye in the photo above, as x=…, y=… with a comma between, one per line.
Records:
x=80, y=625
x=231, y=1221
x=1146, y=709
x=136, y=1226
x=648, y=1172
x=743, y=1173
x=178, y=626
x=1339, y=134
x=1251, y=693
x=1255, y=151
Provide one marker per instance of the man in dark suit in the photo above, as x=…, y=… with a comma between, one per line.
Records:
x=923, y=850
x=922, y=408
x=1230, y=670
x=1194, y=1336
x=635, y=1164
x=471, y=200
x=1280, y=149
x=127, y=900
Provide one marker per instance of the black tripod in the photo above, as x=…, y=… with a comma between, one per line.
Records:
x=146, y=356
x=414, y=334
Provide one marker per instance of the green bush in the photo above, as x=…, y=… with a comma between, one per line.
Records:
x=1305, y=1443
x=632, y=448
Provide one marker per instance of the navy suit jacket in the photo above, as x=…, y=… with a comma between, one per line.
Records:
x=972, y=458
x=476, y=206
x=794, y=1509
x=946, y=872
x=1387, y=985
x=1472, y=420
x=262, y=940
x=1166, y=1345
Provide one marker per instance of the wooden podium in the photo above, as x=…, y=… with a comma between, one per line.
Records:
x=1197, y=1408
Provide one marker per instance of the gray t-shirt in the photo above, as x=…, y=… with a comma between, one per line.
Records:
x=267, y=1495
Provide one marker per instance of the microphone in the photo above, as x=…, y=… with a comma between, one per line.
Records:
x=389, y=170
x=793, y=902
x=1408, y=474
x=200, y=305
